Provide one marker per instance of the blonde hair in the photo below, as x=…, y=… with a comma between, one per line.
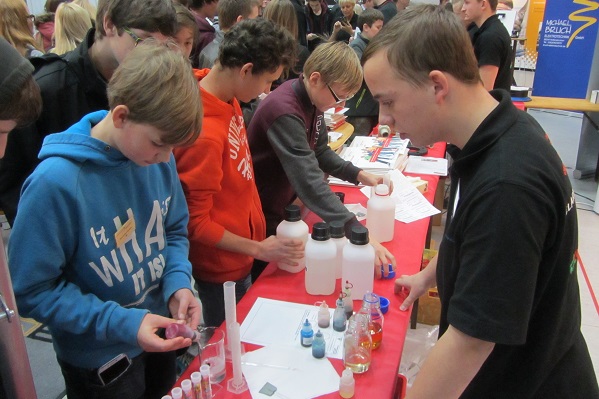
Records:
x=347, y=1
x=156, y=83
x=282, y=13
x=91, y=9
x=71, y=23
x=336, y=62
x=14, y=27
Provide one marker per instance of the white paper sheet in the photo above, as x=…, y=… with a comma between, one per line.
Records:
x=293, y=371
x=272, y=322
x=427, y=166
x=410, y=204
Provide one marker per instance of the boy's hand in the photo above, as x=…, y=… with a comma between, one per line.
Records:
x=150, y=342
x=410, y=288
x=283, y=250
x=184, y=306
x=382, y=258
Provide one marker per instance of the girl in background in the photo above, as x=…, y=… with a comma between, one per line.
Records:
x=91, y=9
x=187, y=30
x=71, y=23
x=16, y=26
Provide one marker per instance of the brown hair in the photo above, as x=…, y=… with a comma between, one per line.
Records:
x=229, y=10
x=25, y=105
x=336, y=62
x=425, y=38
x=157, y=84
x=13, y=25
x=282, y=13
x=148, y=15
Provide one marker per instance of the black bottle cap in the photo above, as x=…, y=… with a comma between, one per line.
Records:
x=293, y=213
x=337, y=229
x=359, y=235
x=320, y=232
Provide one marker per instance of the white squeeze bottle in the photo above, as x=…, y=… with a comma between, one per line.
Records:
x=358, y=262
x=320, y=261
x=293, y=227
x=338, y=237
x=380, y=214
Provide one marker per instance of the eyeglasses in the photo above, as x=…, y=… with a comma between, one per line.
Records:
x=134, y=36
x=31, y=17
x=336, y=97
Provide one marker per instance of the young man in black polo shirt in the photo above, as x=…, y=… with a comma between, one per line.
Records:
x=492, y=44
x=506, y=269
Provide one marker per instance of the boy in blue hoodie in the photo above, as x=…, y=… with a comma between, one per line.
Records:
x=99, y=247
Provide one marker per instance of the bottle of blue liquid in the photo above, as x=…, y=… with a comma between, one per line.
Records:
x=307, y=334
x=339, y=318
x=318, y=345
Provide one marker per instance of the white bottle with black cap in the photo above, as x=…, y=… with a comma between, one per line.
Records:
x=338, y=237
x=380, y=214
x=293, y=227
x=320, y=261
x=358, y=262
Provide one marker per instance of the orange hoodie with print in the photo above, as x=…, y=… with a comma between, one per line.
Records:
x=217, y=175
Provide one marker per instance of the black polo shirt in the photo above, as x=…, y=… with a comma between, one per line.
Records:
x=493, y=46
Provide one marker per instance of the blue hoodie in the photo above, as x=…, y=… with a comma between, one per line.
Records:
x=66, y=267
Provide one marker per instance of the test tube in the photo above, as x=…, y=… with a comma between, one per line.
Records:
x=205, y=382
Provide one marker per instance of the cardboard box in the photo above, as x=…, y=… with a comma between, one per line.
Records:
x=429, y=305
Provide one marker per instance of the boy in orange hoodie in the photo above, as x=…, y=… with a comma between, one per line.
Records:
x=227, y=230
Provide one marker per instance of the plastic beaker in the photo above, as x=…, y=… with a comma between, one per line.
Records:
x=212, y=352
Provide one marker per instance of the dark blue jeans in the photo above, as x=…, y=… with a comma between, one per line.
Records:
x=150, y=376
x=212, y=296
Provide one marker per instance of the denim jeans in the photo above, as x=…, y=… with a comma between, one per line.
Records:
x=212, y=296
x=150, y=376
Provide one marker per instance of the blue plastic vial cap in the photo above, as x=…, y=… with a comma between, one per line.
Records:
x=384, y=304
x=391, y=272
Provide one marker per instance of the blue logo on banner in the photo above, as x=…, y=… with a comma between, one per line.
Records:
x=568, y=32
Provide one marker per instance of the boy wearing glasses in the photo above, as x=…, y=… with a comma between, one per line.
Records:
x=289, y=141
x=74, y=84
x=99, y=248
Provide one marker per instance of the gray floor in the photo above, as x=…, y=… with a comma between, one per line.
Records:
x=561, y=128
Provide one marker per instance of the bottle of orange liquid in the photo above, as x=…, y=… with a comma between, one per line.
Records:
x=371, y=309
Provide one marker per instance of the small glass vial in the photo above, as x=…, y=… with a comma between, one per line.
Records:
x=307, y=334
x=357, y=345
x=318, y=345
x=324, y=316
x=339, y=318
x=371, y=309
x=347, y=385
x=348, y=303
x=196, y=382
x=187, y=390
x=177, y=393
x=205, y=383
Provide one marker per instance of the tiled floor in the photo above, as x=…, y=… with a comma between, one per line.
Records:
x=559, y=127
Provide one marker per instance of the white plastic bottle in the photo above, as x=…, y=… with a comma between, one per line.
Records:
x=320, y=261
x=338, y=237
x=358, y=262
x=293, y=227
x=380, y=214
x=347, y=384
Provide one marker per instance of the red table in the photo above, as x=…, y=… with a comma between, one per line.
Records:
x=409, y=240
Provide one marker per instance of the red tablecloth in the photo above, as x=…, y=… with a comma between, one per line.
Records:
x=409, y=240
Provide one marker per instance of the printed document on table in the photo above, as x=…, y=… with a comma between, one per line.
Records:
x=410, y=204
x=427, y=166
x=272, y=322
